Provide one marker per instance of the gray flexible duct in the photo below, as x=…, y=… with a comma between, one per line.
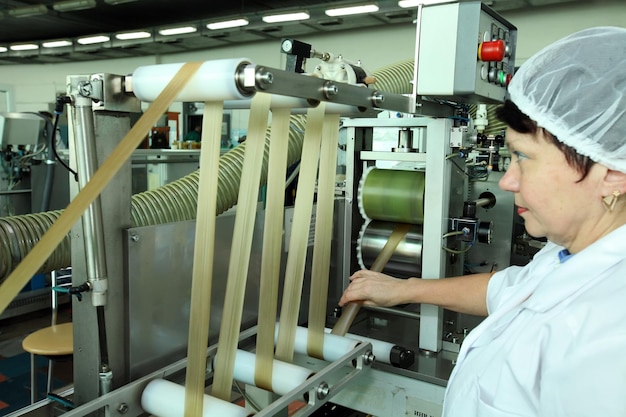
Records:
x=177, y=200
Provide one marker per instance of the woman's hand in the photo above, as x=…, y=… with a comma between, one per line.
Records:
x=377, y=289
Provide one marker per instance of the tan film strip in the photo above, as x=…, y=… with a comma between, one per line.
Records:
x=203, y=257
x=296, y=258
x=241, y=247
x=272, y=247
x=323, y=236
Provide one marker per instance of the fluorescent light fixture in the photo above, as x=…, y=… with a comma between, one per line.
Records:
x=3, y=49
x=90, y=40
x=73, y=5
x=414, y=3
x=116, y=2
x=29, y=11
x=127, y=36
x=225, y=24
x=286, y=17
x=350, y=10
x=56, y=44
x=24, y=47
x=178, y=31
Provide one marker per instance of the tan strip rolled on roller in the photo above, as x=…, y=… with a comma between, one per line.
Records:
x=241, y=247
x=272, y=248
x=61, y=227
x=323, y=236
x=202, y=275
x=296, y=259
x=350, y=311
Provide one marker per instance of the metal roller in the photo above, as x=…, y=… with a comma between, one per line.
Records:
x=407, y=258
x=392, y=195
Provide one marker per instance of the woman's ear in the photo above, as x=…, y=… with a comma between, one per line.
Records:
x=614, y=181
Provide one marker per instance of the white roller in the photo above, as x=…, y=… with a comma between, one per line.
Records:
x=335, y=346
x=285, y=376
x=214, y=80
x=380, y=349
x=163, y=398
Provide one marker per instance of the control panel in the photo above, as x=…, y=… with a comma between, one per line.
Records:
x=466, y=53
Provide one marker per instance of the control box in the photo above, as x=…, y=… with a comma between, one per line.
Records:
x=466, y=53
x=20, y=129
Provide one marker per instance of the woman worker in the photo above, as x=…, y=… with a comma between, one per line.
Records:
x=554, y=340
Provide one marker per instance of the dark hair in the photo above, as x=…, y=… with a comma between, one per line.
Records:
x=510, y=114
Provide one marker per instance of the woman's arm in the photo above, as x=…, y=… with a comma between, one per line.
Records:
x=466, y=294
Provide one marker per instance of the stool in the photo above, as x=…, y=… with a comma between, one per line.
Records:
x=53, y=342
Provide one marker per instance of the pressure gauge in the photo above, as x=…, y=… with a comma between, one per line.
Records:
x=287, y=46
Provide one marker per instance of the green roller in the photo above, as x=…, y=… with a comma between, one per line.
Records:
x=393, y=196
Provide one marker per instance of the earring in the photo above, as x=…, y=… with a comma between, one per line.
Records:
x=610, y=200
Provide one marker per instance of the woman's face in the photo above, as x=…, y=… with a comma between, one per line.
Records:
x=548, y=194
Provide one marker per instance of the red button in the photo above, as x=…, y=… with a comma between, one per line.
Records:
x=492, y=51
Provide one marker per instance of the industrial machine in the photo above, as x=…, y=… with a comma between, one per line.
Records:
x=416, y=153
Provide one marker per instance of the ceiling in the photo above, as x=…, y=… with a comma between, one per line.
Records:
x=151, y=15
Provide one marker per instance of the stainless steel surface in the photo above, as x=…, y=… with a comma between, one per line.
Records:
x=114, y=96
x=159, y=266
x=448, y=66
x=291, y=84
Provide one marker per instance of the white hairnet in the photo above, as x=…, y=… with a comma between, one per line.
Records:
x=576, y=89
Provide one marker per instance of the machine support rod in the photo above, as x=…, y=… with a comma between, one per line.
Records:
x=93, y=229
x=271, y=80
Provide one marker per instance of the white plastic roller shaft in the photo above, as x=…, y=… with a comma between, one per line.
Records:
x=214, y=80
x=335, y=346
x=163, y=398
x=285, y=376
x=380, y=349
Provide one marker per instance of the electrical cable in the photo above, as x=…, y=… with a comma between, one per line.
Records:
x=457, y=252
x=454, y=233
x=58, y=110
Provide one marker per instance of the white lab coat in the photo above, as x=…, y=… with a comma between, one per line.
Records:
x=554, y=343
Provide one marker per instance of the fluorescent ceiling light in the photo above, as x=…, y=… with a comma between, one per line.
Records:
x=73, y=5
x=413, y=3
x=234, y=23
x=3, y=49
x=24, y=47
x=178, y=31
x=56, y=44
x=89, y=40
x=29, y=11
x=349, y=10
x=133, y=35
x=116, y=2
x=286, y=17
